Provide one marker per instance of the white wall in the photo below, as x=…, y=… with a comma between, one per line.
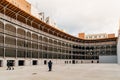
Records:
x=35, y=12
x=107, y=59
x=49, y=21
x=118, y=50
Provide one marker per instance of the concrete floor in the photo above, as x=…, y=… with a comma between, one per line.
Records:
x=63, y=72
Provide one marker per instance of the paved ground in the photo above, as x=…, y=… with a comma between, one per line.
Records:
x=64, y=72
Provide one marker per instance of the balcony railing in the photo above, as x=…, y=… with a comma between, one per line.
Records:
x=10, y=45
x=21, y=47
x=1, y=44
x=35, y=39
x=34, y=49
x=28, y=38
x=11, y=33
x=1, y=30
x=19, y=35
x=1, y=15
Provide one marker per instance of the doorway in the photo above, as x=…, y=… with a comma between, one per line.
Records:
x=97, y=61
x=45, y=62
x=91, y=61
x=21, y=63
x=34, y=62
x=0, y=63
x=73, y=61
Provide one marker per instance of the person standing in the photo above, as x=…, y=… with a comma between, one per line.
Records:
x=50, y=65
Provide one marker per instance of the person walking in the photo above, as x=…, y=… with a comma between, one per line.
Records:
x=50, y=65
x=8, y=65
x=12, y=65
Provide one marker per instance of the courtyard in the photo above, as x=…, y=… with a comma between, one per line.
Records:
x=63, y=72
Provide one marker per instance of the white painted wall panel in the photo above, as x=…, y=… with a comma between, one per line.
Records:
x=118, y=50
x=107, y=59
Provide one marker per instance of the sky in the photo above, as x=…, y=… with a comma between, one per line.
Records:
x=76, y=16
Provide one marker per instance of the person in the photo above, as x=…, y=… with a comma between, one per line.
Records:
x=12, y=65
x=50, y=65
x=8, y=65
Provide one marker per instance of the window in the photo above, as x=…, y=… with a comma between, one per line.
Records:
x=86, y=37
x=90, y=37
x=95, y=36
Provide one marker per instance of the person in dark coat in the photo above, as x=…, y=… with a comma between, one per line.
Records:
x=8, y=65
x=50, y=65
x=12, y=65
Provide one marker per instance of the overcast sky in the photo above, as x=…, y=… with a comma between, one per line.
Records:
x=75, y=16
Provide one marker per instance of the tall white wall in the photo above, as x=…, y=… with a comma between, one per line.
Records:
x=118, y=50
x=107, y=59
